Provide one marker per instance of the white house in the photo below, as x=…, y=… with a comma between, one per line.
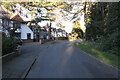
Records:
x=26, y=32
x=12, y=20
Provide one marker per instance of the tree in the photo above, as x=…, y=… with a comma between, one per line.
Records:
x=77, y=30
x=104, y=28
x=97, y=25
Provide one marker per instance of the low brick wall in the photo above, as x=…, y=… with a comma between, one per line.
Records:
x=8, y=57
x=27, y=40
x=44, y=41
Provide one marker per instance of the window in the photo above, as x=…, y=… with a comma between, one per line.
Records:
x=11, y=24
x=28, y=35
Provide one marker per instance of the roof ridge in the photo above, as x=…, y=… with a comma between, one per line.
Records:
x=17, y=17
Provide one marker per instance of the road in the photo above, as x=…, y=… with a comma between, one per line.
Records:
x=64, y=60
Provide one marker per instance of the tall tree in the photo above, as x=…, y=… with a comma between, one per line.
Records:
x=104, y=28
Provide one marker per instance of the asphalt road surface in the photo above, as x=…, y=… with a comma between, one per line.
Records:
x=64, y=60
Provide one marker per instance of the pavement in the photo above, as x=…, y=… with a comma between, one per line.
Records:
x=59, y=60
x=64, y=60
x=18, y=66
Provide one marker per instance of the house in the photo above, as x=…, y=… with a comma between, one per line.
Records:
x=26, y=34
x=26, y=29
x=16, y=23
x=5, y=20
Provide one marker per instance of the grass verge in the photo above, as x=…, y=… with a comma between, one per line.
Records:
x=54, y=42
x=90, y=48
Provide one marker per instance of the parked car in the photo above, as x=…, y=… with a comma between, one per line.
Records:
x=18, y=40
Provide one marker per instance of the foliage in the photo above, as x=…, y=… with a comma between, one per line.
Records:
x=7, y=4
x=104, y=28
x=111, y=44
x=77, y=30
x=11, y=28
x=8, y=45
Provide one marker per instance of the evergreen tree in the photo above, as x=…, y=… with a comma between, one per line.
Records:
x=104, y=24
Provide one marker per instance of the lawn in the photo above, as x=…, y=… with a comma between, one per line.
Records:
x=106, y=57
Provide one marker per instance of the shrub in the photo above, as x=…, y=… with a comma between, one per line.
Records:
x=113, y=43
x=110, y=44
x=8, y=45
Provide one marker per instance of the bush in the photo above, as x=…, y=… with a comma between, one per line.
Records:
x=8, y=45
x=110, y=44
x=113, y=43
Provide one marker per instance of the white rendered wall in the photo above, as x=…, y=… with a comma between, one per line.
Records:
x=24, y=30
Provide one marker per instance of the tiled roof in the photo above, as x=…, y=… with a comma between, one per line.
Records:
x=17, y=17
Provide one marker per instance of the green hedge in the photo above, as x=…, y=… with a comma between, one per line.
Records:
x=8, y=45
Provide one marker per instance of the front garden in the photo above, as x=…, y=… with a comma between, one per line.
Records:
x=8, y=45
